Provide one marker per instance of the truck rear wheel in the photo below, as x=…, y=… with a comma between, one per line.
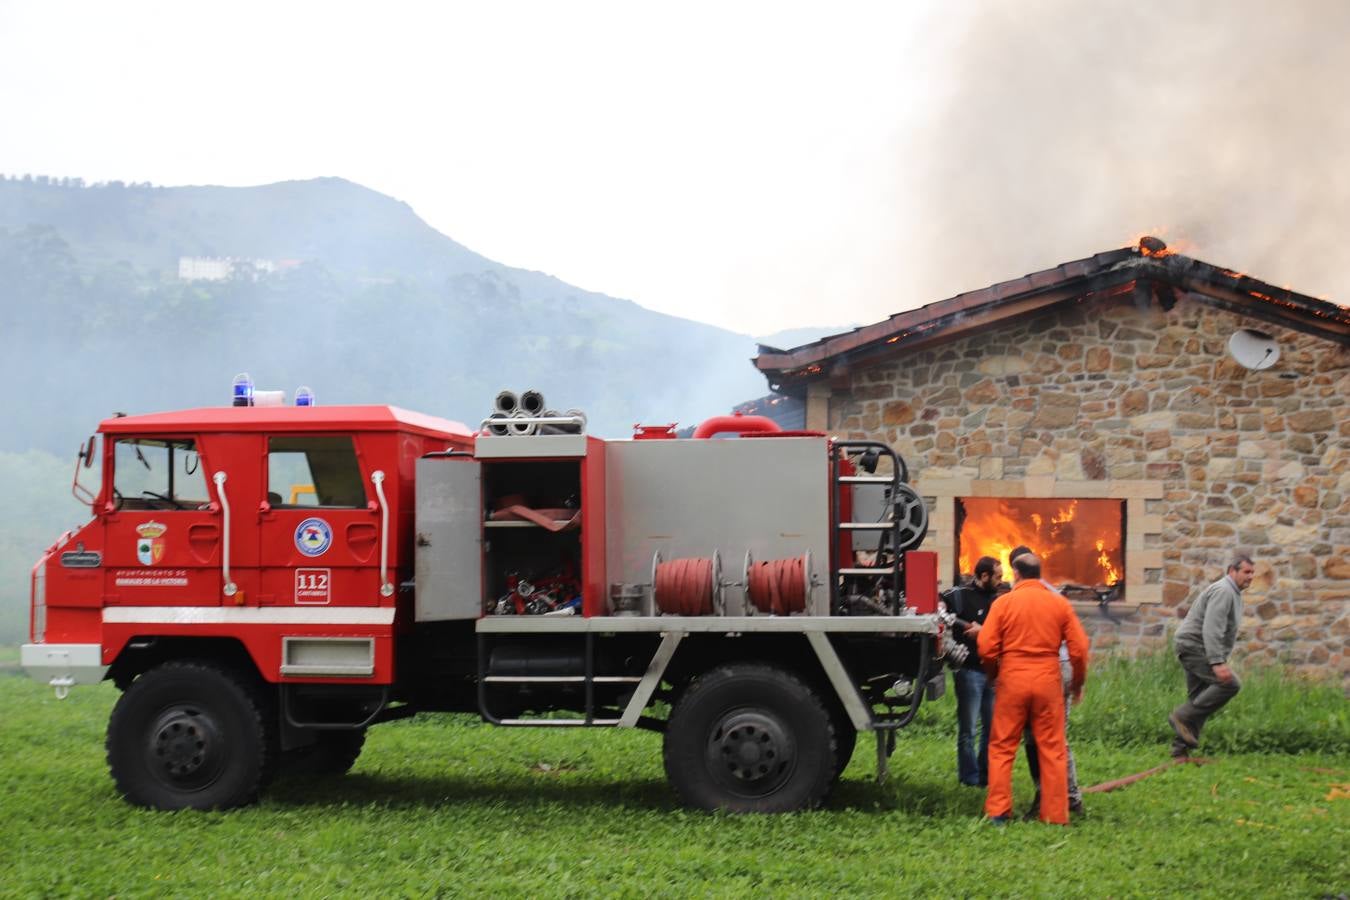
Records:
x=845, y=739
x=188, y=736
x=750, y=738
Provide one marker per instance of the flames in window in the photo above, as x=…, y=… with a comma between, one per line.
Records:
x=1079, y=541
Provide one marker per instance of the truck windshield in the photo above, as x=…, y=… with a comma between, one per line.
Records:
x=155, y=473
x=314, y=471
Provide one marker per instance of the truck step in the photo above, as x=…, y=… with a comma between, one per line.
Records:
x=559, y=679
x=549, y=722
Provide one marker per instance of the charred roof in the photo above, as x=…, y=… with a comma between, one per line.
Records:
x=1149, y=270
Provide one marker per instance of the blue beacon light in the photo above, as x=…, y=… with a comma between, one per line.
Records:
x=304, y=396
x=243, y=390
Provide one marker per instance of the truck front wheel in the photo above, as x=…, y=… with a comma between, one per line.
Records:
x=188, y=736
x=332, y=753
x=750, y=738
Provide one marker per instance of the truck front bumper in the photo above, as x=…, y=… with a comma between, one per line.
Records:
x=63, y=665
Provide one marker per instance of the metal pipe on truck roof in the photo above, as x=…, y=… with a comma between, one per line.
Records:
x=532, y=402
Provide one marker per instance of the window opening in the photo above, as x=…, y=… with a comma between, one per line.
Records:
x=158, y=473
x=314, y=472
x=1080, y=541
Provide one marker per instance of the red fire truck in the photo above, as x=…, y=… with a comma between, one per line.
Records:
x=265, y=583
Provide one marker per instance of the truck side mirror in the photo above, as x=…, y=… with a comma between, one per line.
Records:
x=84, y=457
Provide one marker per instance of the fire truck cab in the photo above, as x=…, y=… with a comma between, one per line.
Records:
x=266, y=583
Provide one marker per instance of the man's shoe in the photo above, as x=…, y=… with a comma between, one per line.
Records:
x=1076, y=808
x=1182, y=730
x=999, y=821
x=1034, y=810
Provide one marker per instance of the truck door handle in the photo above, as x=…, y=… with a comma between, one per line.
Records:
x=386, y=588
x=230, y=587
x=203, y=537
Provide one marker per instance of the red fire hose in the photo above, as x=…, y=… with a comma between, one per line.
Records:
x=1107, y=786
x=778, y=586
x=684, y=587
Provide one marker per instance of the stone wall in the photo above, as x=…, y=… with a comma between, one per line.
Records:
x=1107, y=392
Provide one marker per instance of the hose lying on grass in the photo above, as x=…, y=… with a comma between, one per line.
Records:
x=1107, y=786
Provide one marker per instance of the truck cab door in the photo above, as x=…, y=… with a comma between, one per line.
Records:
x=319, y=530
x=162, y=531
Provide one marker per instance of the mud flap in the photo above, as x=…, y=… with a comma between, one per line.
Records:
x=936, y=686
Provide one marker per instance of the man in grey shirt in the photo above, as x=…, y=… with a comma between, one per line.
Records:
x=1203, y=644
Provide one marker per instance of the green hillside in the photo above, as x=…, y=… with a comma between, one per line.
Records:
x=375, y=306
x=371, y=306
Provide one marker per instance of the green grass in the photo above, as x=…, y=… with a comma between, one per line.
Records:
x=448, y=806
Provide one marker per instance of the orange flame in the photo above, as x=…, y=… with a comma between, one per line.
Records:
x=1104, y=560
x=1156, y=243
x=1078, y=541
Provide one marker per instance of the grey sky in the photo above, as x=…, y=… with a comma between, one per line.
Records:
x=757, y=166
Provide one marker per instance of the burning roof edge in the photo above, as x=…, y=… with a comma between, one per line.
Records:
x=1149, y=270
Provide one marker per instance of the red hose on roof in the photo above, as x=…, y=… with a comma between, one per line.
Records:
x=735, y=424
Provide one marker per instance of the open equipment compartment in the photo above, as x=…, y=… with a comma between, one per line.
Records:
x=529, y=568
x=528, y=481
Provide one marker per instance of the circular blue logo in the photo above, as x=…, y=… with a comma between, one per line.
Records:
x=313, y=537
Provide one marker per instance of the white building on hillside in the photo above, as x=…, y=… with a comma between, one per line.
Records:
x=219, y=268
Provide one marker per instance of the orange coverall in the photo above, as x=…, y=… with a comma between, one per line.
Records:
x=1019, y=646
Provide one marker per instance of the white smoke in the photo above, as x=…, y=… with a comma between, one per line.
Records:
x=1067, y=128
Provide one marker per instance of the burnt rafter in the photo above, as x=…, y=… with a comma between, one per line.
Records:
x=1149, y=271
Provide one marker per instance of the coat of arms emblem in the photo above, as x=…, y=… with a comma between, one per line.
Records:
x=150, y=543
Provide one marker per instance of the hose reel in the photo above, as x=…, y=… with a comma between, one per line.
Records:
x=779, y=587
x=695, y=586
x=688, y=587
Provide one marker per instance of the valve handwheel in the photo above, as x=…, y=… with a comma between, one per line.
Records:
x=911, y=513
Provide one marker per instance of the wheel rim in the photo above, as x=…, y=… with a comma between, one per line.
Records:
x=185, y=748
x=751, y=753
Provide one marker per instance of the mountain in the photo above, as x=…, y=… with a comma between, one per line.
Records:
x=796, y=337
x=366, y=304
x=357, y=298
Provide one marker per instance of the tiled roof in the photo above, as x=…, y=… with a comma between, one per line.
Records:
x=1150, y=270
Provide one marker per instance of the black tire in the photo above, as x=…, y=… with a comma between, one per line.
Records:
x=333, y=753
x=845, y=739
x=750, y=738
x=189, y=736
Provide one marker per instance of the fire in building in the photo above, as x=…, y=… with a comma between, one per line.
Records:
x=1134, y=417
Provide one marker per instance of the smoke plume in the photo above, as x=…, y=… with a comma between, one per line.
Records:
x=1062, y=129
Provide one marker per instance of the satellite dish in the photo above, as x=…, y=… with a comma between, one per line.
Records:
x=1253, y=349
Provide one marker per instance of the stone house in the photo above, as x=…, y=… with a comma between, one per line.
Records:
x=1113, y=389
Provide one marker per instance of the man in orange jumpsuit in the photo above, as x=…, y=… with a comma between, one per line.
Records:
x=1019, y=646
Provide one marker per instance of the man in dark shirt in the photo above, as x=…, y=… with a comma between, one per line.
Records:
x=974, y=692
